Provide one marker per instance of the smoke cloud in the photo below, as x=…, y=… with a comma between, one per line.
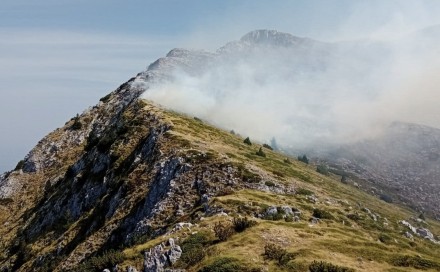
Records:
x=312, y=94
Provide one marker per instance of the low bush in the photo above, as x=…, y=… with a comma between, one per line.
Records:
x=269, y=183
x=303, y=159
x=247, y=141
x=227, y=265
x=77, y=125
x=98, y=263
x=278, y=174
x=386, y=198
x=322, y=214
x=322, y=169
x=385, y=238
x=223, y=231
x=19, y=165
x=267, y=146
x=316, y=266
x=260, y=152
x=414, y=261
x=106, y=98
x=193, y=249
x=243, y=223
x=303, y=191
x=277, y=253
x=288, y=218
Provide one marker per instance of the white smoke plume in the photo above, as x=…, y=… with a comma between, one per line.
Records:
x=307, y=93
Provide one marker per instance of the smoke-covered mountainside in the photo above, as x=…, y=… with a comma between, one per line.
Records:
x=129, y=185
x=403, y=163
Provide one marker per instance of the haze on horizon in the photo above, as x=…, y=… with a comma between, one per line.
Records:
x=59, y=57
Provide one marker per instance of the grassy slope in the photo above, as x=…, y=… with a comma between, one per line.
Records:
x=340, y=241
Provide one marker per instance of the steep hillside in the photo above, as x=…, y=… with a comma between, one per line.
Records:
x=130, y=177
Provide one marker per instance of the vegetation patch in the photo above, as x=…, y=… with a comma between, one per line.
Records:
x=303, y=159
x=414, y=261
x=322, y=214
x=227, y=264
x=261, y=153
x=247, y=141
x=316, y=266
x=223, y=231
x=278, y=254
x=194, y=249
x=98, y=263
x=243, y=223
x=304, y=191
x=322, y=169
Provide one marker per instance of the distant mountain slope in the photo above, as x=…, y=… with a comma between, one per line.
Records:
x=403, y=162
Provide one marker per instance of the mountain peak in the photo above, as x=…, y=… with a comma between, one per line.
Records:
x=273, y=37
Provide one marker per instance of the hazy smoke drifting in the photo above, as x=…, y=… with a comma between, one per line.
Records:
x=313, y=93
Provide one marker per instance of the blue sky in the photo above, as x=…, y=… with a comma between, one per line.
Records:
x=58, y=57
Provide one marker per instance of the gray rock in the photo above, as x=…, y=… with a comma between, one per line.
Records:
x=312, y=198
x=425, y=233
x=407, y=224
x=171, y=242
x=131, y=269
x=271, y=210
x=287, y=210
x=173, y=254
x=314, y=220
x=157, y=259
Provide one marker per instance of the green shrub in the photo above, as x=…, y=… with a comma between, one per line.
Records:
x=243, y=223
x=260, y=152
x=277, y=253
x=303, y=191
x=288, y=218
x=19, y=165
x=354, y=217
x=223, y=231
x=385, y=238
x=247, y=141
x=414, y=261
x=322, y=214
x=226, y=265
x=322, y=169
x=275, y=217
x=386, y=198
x=77, y=125
x=296, y=266
x=106, y=98
x=328, y=267
x=278, y=174
x=269, y=183
x=267, y=146
x=303, y=159
x=98, y=263
x=193, y=249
